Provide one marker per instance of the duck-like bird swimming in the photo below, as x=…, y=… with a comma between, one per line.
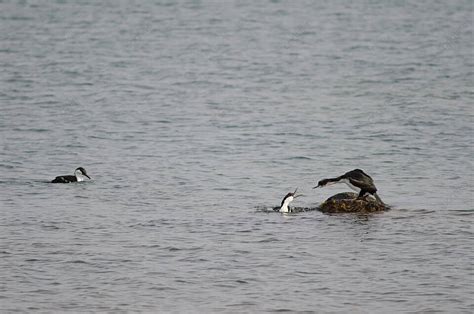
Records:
x=357, y=180
x=79, y=175
x=285, y=203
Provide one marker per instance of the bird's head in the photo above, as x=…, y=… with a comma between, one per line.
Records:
x=290, y=197
x=82, y=171
x=322, y=183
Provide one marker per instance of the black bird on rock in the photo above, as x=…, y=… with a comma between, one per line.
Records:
x=357, y=180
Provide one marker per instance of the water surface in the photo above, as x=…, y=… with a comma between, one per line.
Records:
x=190, y=116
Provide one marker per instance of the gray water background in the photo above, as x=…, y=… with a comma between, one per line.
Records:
x=191, y=115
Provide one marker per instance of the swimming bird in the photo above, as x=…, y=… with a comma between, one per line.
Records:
x=284, y=207
x=357, y=180
x=79, y=175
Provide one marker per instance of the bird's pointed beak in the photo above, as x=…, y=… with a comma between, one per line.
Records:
x=87, y=176
x=317, y=186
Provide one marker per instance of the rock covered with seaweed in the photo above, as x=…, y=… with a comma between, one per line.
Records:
x=349, y=203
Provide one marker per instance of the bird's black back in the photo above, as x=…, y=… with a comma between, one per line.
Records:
x=358, y=175
x=64, y=179
x=360, y=179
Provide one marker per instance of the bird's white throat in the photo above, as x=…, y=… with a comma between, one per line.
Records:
x=285, y=207
x=80, y=177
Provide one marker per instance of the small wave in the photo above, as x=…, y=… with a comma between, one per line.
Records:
x=50, y=227
x=463, y=212
x=282, y=310
x=174, y=248
x=246, y=303
x=163, y=288
x=222, y=189
x=150, y=246
x=193, y=260
x=246, y=231
x=299, y=158
x=77, y=262
x=267, y=240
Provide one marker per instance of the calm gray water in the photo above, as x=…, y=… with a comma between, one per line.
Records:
x=191, y=115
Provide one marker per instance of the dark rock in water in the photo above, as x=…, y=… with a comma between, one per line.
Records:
x=348, y=203
x=343, y=196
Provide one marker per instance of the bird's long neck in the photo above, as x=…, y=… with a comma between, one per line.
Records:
x=332, y=181
x=285, y=206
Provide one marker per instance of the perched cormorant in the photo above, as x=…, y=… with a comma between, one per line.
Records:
x=357, y=180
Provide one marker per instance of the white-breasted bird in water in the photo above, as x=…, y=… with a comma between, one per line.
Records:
x=357, y=180
x=285, y=203
x=79, y=175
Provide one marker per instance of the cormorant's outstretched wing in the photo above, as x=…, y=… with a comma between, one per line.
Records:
x=357, y=174
x=366, y=185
